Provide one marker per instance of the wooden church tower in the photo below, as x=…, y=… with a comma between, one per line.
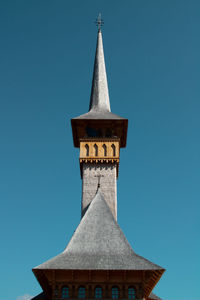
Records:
x=98, y=262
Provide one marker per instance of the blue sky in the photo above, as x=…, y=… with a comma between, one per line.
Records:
x=153, y=67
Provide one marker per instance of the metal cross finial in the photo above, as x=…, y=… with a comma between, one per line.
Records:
x=99, y=178
x=99, y=22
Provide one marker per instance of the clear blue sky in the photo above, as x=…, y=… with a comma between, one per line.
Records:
x=152, y=52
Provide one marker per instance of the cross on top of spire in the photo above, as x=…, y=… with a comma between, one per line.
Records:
x=99, y=22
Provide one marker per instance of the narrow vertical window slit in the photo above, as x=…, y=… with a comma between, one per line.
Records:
x=96, y=149
x=105, y=149
x=87, y=150
x=113, y=149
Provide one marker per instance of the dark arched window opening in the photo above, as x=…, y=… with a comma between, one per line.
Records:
x=98, y=292
x=113, y=149
x=96, y=149
x=105, y=149
x=91, y=132
x=108, y=133
x=87, y=149
x=65, y=292
x=81, y=292
x=131, y=293
x=115, y=292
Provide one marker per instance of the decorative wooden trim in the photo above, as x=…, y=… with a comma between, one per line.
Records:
x=99, y=150
x=99, y=160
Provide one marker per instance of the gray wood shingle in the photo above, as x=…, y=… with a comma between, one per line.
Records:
x=98, y=244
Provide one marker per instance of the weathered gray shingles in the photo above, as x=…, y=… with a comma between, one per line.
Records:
x=99, y=244
x=99, y=115
x=154, y=297
x=99, y=99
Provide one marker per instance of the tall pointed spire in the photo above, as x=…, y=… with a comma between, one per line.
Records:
x=99, y=120
x=99, y=99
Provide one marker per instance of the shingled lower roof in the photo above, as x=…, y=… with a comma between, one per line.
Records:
x=152, y=296
x=40, y=296
x=98, y=244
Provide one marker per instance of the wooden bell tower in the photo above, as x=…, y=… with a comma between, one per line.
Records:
x=98, y=262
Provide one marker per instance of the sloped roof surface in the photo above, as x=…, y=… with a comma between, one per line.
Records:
x=98, y=115
x=99, y=98
x=98, y=244
x=152, y=296
x=40, y=296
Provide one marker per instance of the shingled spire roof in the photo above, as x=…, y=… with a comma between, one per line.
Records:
x=99, y=99
x=99, y=244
